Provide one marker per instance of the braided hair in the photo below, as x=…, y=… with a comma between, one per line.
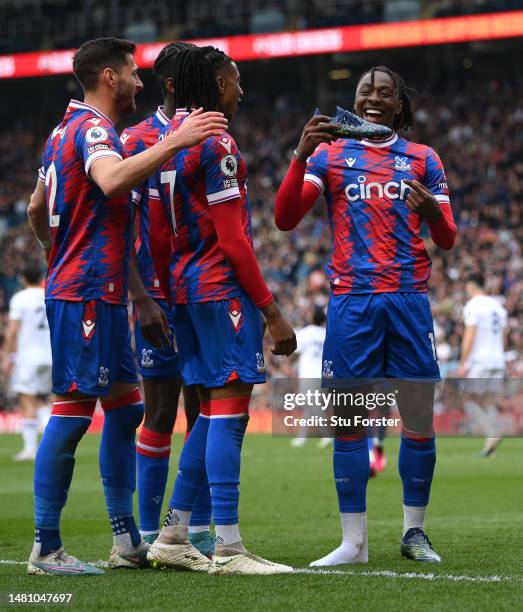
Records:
x=195, y=73
x=405, y=120
x=164, y=64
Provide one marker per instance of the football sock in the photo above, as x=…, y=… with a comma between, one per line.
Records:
x=191, y=472
x=370, y=446
x=351, y=473
x=176, y=517
x=353, y=548
x=227, y=534
x=198, y=528
x=30, y=434
x=54, y=467
x=228, y=422
x=152, y=458
x=118, y=462
x=202, y=510
x=417, y=458
x=413, y=516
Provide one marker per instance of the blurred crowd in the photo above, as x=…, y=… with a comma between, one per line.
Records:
x=62, y=24
x=479, y=136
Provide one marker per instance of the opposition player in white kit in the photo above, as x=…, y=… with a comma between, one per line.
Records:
x=28, y=356
x=310, y=341
x=483, y=358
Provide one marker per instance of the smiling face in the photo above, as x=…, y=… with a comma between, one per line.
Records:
x=230, y=92
x=377, y=99
x=127, y=86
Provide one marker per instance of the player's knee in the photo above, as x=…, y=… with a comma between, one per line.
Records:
x=131, y=401
x=161, y=418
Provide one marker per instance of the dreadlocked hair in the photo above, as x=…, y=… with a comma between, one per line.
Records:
x=405, y=120
x=195, y=72
x=164, y=63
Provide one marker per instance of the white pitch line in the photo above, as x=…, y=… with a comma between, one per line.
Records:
x=374, y=573
x=409, y=575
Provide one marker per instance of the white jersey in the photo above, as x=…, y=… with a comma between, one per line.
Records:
x=310, y=341
x=490, y=319
x=34, y=343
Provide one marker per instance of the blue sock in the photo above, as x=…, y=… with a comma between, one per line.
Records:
x=118, y=461
x=202, y=510
x=224, y=443
x=191, y=467
x=152, y=458
x=416, y=462
x=351, y=473
x=53, y=473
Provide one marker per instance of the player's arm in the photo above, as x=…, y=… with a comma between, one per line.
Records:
x=162, y=245
x=11, y=335
x=151, y=318
x=116, y=177
x=295, y=196
x=467, y=343
x=228, y=223
x=438, y=215
x=38, y=218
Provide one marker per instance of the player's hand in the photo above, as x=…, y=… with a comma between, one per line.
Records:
x=462, y=371
x=317, y=130
x=197, y=127
x=7, y=364
x=420, y=200
x=281, y=332
x=153, y=322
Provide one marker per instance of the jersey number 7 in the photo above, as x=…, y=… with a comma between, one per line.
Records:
x=169, y=178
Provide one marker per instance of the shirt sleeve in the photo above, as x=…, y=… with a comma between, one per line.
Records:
x=470, y=315
x=316, y=170
x=96, y=138
x=44, y=164
x=132, y=145
x=220, y=160
x=435, y=180
x=16, y=308
x=300, y=337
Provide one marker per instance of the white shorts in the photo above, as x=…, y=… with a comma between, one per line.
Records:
x=486, y=380
x=32, y=379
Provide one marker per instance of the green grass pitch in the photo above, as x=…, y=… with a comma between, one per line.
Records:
x=288, y=513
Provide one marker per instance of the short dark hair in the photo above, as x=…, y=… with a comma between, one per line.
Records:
x=195, y=73
x=164, y=64
x=319, y=318
x=405, y=120
x=32, y=274
x=477, y=278
x=96, y=55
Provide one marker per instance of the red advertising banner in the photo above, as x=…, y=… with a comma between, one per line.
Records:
x=307, y=42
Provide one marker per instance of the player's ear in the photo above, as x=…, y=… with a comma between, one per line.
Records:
x=399, y=108
x=109, y=76
x=169, y=84
x=221, y=83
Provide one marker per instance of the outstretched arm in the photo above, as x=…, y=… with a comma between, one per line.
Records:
x=116, y=177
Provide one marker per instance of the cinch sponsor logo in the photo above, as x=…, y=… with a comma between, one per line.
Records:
x=366, y=191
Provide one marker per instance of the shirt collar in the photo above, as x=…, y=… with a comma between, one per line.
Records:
x=379, y=144
x=76, y=105
x=161, y=116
